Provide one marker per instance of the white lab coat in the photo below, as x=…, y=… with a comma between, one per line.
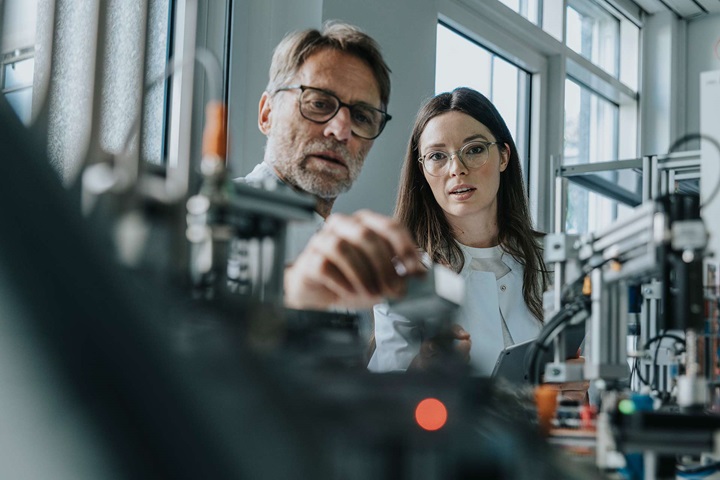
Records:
x=490, y=297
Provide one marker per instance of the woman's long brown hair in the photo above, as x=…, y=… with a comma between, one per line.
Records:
x=418, y=210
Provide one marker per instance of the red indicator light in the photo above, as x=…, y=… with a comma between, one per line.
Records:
x=431, y=414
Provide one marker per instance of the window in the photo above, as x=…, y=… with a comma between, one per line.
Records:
x=593, y=33
x=460, y=62
x=591, y=125
x=599, y=127
x=16, y=82
x=17, y=54
x=529, y=9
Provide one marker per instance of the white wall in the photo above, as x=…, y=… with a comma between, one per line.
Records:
x=676, y=53
x=257, y=27
x=702, y=36
x=663, y=83
x=405, y=30
x=704, y=56
x=17, y=24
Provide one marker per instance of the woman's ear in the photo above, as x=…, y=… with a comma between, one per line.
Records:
x=504, y=157
x=264, y=113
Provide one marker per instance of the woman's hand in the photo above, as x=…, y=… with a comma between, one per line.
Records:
x=435, y=351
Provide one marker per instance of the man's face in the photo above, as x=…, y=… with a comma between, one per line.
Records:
x=321, y=159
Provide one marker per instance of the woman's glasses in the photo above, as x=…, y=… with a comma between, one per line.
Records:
x=472, y=155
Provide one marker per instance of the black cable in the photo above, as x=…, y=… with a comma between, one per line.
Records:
x=654, y=339
x=548, y=333
x=658, y=338
x=576, y=301
x=638, y=371
x=656, y=367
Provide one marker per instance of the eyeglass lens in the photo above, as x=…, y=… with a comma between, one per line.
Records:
x=320, y=106
x=473, y=155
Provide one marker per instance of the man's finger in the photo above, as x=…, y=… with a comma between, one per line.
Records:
x=459, y=332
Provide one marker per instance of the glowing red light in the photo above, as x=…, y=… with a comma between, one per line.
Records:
x=431, y=414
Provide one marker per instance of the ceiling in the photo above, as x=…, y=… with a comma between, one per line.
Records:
x=682, y=8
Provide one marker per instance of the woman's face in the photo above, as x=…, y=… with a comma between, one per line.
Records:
x=461, y=191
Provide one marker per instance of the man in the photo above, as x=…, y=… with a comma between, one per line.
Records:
x=323, y=107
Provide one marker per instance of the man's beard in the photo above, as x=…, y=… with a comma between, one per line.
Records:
x=290, y=162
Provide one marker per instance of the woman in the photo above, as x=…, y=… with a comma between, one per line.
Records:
x=462, y=198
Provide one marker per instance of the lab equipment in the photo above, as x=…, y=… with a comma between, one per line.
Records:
x=661, y=244
x=431, y=300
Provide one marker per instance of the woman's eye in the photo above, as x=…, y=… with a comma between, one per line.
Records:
x=476, y=149
x=437, y=156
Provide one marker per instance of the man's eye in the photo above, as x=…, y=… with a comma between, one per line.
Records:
x=361, y=117
x=365, y=116
x=320, y=105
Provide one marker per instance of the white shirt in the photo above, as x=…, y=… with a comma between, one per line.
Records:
x=298, y=232
x=493, y=285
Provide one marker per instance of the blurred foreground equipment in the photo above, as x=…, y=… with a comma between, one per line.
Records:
x=108, y=373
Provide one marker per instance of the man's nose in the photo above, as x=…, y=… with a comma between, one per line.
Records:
x=340, y=126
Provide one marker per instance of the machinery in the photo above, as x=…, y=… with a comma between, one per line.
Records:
x=641, y=278
x=148, y=340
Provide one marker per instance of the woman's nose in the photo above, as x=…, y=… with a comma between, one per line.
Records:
x=457, y=167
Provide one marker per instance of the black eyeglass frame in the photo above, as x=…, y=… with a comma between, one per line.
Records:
x=386, y=117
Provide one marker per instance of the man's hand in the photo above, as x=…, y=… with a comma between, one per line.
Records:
x=355, y=261
x=577, y=391
x=433, y=354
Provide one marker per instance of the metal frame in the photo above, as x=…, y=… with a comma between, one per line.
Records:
x=658, y=175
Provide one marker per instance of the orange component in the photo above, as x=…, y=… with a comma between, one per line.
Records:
x=587, y=286
x=215, y=133
x=431, y=414
x=546, y=403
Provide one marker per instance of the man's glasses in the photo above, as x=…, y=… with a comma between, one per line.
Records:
x=473, y=155
x=320, y=106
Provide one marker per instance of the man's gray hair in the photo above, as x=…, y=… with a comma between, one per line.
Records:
x=296, y=47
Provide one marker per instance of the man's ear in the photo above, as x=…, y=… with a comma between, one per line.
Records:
x=264, y=111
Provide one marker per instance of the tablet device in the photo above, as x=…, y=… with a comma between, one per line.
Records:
x=513, y=361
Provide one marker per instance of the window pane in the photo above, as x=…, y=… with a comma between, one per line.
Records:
x=505, y=92
x=590, y=136
x=629, y=57
x=19, y=74
x=593, y=33
x=527, y=8
x=21, y=102
x=454, y=69
x=514, y=4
